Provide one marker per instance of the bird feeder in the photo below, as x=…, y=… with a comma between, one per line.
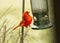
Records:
x=40, y=14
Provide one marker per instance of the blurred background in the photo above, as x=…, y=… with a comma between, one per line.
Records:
x=57, y=18
x=43, y=36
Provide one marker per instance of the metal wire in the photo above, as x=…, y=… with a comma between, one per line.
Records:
x=22, y=30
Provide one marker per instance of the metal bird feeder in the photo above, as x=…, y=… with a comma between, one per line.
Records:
x=40, y=14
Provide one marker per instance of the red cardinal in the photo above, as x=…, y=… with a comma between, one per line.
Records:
x=27, y=19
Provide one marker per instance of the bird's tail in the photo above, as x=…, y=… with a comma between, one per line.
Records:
x=16, y=27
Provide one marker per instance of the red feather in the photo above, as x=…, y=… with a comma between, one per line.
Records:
x=27, y=19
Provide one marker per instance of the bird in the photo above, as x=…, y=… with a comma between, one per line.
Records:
x=26, y=20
